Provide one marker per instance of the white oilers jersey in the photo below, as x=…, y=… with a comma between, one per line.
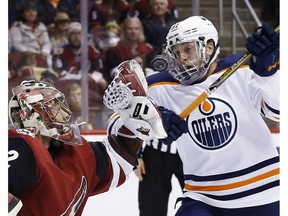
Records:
x=229, y=159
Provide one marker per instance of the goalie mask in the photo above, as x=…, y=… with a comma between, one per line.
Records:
x=186, y=45
x=42, y=109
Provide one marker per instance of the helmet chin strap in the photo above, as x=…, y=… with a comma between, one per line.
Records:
x=213, y=56
x=206, y=66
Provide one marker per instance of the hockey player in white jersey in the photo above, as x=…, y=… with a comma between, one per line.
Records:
x=230, y=165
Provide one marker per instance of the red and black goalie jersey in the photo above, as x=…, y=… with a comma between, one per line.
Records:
x=57, y=182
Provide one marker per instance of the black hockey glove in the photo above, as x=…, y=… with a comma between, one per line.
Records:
x=263, y=44
x=173, y=124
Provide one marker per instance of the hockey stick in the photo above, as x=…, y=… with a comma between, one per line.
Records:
x=204, y=95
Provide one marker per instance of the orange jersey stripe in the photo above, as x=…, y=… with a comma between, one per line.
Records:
x=113, y=116
x=234, y=185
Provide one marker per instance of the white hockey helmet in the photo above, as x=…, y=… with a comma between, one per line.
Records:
x=199, y=30
x=42, y=109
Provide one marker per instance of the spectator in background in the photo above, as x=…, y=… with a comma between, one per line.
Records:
x=58, y=32
x=108, y=37
x=28, y=34
x=74, y=100
x=132, y=42
x=142, y=62
x=20, y=69
x=68, y=66
x=49, y=8
x=101, y=11
x=24, y=66
x=157, y=24
x=98, y=113
x=142, y=9
x=68, y=63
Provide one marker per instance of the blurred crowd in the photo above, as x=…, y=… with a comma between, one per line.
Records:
x=45, y=44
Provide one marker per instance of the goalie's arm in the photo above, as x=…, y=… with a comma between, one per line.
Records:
x=123, y=140
x=127, y=148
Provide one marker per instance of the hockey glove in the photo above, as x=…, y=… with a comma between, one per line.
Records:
x=173, y=124
x=126, y=95
x=263, y=44
x=143, y=119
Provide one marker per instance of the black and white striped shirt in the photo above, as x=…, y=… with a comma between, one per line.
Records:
x=157, y=144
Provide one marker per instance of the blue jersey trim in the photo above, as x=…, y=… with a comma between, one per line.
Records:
x=233, y=174
x=244, y=193
x=272, y=109
x=228, y=62
x=162, y=76
x=111, y=126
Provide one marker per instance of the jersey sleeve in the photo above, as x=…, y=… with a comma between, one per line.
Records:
x=264, y=91
x=114, y=124
x=111, y=168
x=22, y=166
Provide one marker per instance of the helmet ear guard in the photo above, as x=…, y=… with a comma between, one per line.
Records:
x=30, y=108
x=14, y=113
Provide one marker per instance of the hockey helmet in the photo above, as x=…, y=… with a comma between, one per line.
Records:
x=41, y=108
x=195, y=31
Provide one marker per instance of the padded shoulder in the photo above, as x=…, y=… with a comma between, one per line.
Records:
x=162, y=76
x=21, y=163
x=229, y=61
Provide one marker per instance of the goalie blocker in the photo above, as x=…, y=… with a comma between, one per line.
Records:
x=127, y=95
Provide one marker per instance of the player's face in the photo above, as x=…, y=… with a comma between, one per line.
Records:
x=63, y=25
x=58, y=113
x=187, y=54
x=75, y=96
x=30, y=15
x=132, y=31
x=75, y=39
x=113, y=29
x=159, y=7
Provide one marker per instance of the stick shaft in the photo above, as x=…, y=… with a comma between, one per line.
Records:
x=193, y=105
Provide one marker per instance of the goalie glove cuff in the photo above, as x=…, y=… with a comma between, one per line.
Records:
x=136, y=128
x=125, y=147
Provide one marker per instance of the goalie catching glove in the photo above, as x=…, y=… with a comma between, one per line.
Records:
x=127, y=95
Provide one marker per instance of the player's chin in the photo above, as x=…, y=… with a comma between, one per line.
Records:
x=65, y=130
x=184, y=68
